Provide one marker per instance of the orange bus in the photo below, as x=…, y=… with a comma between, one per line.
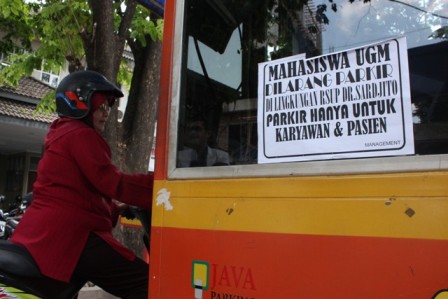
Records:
x=302, y=151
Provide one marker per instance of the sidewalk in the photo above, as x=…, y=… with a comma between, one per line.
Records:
x=94, y=293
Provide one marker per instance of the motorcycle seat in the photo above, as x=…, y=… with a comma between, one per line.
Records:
x=15, y=259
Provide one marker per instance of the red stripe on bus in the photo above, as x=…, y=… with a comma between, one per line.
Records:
x=165, y=92
x=265, y=265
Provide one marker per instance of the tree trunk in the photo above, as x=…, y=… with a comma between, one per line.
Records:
x=130, y=141
x=138, y=126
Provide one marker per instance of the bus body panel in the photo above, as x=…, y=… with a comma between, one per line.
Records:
x=352, y=236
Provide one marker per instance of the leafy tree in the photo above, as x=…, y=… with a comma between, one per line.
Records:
x=92, y=34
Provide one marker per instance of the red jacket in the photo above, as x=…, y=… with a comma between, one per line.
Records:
x=72, y=198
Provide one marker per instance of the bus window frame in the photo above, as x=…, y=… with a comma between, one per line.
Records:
x=371, y=165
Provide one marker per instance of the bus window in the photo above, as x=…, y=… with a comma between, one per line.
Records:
x=225, y=40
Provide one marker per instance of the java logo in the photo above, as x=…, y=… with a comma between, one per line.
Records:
x=442, y=294
x=208, y=276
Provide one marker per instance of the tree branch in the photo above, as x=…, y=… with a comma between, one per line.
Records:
x=123, y=31
x=420, y=9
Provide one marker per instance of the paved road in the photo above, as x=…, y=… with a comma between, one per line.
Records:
x=94, y=293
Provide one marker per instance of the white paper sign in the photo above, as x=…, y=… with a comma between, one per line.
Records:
x=349, y=104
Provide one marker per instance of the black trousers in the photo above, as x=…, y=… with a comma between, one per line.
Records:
x=103, y=266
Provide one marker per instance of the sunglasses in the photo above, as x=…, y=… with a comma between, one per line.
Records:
x=105, y=108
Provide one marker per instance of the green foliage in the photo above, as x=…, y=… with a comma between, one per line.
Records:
x=52, y=26
x=156, y=29
x=20, y=64
x=142, y=26
x=48, y=23
x=47, y=104
x=15, y=26
x=124, y=74
x=57, y=26
x=12, y=8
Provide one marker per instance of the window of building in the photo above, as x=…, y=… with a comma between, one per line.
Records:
x=49, y=76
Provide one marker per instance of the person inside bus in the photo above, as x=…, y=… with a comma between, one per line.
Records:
x=79, y=194
x=197, y=152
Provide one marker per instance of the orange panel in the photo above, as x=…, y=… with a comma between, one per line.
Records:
x=263, y=265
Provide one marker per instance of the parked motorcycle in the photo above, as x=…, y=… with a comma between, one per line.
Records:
x=13, y=218
x=2, y=224
x=10, y=226
x=20, y=277
x=2, y=219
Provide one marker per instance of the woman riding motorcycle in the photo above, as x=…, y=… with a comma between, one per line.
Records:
x=68, y=227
